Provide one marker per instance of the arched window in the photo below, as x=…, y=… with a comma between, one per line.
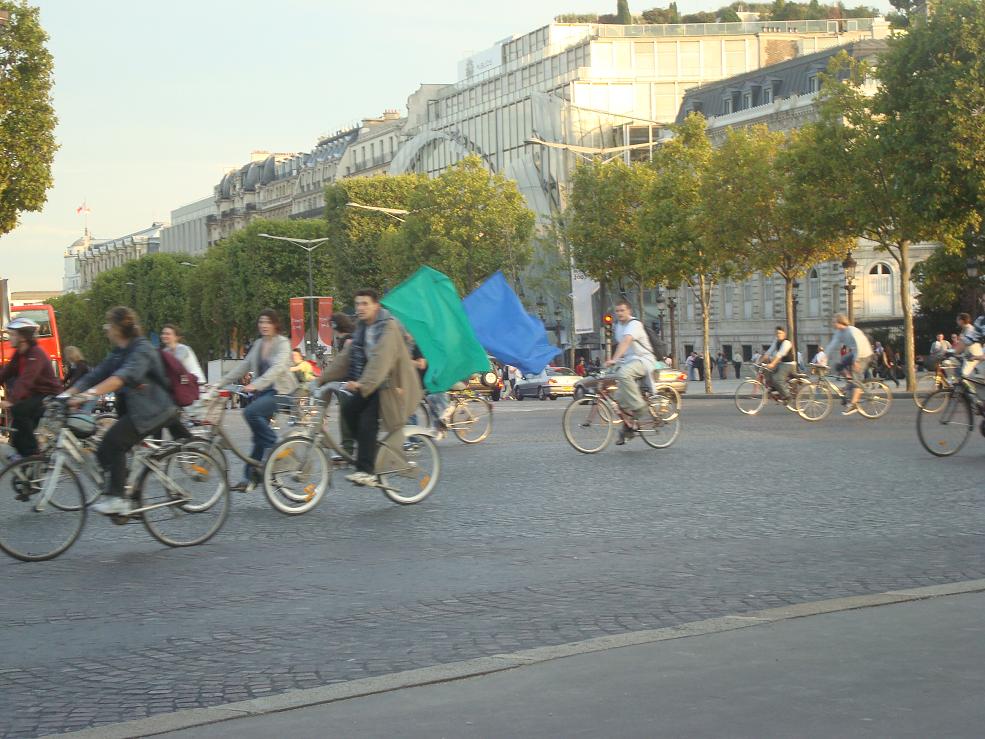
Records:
x=813, y=293
x=879, y=290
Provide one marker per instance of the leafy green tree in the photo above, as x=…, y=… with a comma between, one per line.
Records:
x=356, y=235
x=666, y=15
x=623, y=16
x=79, y=324
x=27, y=119
x=467, y=223
x=676, y=218
x=603, y=227
x=751, y=189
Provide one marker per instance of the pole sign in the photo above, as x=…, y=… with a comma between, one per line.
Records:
x=297, y=324
x=325, y=324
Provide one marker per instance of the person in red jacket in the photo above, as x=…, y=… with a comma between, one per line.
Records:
x=29, y=378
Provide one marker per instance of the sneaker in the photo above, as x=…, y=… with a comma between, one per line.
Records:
x=361, y=478
x=241, y=487
x=112, y=505
x=850, y=410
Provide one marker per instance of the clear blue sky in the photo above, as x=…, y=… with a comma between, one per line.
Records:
x=156, y=100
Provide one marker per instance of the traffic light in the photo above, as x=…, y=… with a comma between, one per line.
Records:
x=607, y=325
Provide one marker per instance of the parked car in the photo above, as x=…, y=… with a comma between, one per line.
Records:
x=667, y=376
x=552, y=383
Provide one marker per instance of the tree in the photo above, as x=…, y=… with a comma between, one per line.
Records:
x=356, y=235
x=662, y=15
x=675, y=218
x=751, y=189
x=467, y=223
x=27, y=119
x=851, y=166
x=623, y=16
x=79, y=325
x=603, y=225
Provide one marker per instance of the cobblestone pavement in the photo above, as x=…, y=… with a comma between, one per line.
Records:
x=525, y=543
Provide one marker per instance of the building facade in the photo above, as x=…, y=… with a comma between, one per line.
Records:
x=531, y=104
x=189, y=229
x=88, y=257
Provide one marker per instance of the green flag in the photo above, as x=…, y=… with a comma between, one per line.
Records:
x=428, y=306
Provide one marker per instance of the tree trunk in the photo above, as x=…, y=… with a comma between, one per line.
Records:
x=905, y=303
x=704, y=295
x=788, y=308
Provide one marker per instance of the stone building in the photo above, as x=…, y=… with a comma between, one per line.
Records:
x=88, y=257
x=189, y=229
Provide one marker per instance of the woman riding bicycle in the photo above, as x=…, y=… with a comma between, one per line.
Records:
x=269, y=359
x=134, y=371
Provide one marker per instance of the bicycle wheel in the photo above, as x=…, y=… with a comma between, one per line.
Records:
x=587, y=424
x=813, y=401
x=944, y=432
x=218, y=477
x=928, y=385
x=422, y=415
x=876, y=399
x=177, y=495
x=670, y=406
x=750, y=397
x=31, y=528
x=662, y=428
x=296, y=475
x=472, y=420
x=413, y=483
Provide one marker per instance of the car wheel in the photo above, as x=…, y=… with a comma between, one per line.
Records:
x=518, y=394
x=553, y=397
x=541, y=394
x=579, y=392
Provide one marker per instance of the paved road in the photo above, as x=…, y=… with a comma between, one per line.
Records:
x=525, y=543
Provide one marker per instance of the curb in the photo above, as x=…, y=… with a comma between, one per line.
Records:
x=167, y=722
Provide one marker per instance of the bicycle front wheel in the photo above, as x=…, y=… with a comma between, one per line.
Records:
x=31, y=528
x=587, y=424
x=414, y=482
x=183, y=497
x=875, y=400
x=928, y=385
x=944, y=432
x=750, y=397
x=662, y=428
x=472, y=420
x=296, y=475
x=813, y=401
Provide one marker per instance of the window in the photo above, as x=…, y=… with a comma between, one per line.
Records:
x=726, y=106
x=689, y=304
x=728, y=299
x=813, y=294
x=812, y=83
x=746, y=100
x=879, y=290
x=747, y=299
x=768, y=297
x=767, y=95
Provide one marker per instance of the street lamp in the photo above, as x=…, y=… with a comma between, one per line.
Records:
x=541, y=305
x=971, y=267
x=793, y=322
x=661, y=304
x=672, y=306
x=394, y=213
x=309, y=245
x=557, y=325
x=133, y=292
x=849, y=265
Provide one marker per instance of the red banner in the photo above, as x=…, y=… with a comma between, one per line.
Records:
x=325, y=322
x=297, y=324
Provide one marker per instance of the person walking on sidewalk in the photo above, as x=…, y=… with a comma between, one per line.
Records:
x=722, y=363
x=737, y=364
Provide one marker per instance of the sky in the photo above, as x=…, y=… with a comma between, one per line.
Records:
x=156, y=100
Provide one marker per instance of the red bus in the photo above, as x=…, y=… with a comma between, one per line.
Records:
x=44, y=316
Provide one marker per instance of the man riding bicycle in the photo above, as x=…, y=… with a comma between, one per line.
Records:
x=970, y=343
x=636, y=358
x=32, y=378
x=781, y=362
x=857, y=359
x=384, y=383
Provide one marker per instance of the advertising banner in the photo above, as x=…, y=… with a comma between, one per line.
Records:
x=297, y=324
x=325, y=324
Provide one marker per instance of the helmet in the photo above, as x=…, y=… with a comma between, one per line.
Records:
x=20, y=324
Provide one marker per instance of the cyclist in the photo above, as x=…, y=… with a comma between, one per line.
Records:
x=384, y=383
x=636, y=358
x=970, y=342
x=857, y=358
x=32, y=378
x=269, y=361
x=781, y=362
x=134, y=371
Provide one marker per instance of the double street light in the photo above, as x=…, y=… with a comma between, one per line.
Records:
x=309, y=245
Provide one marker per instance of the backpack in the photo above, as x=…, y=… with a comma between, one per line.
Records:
x=183, y=386
x=657, y=345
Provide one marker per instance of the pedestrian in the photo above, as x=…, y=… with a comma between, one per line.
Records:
x=76, y=365
x=940, y=346
x=171, y=343
x=820, y=359
x=699, y=362
x=722, y=363
x=689, y=366
x=737, y=363
x=580, y=367
x=756, y=357
x=889, y=361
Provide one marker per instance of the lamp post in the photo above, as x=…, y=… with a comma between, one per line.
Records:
x=672, y=306
x=309, y=245
x=850, y=265
x=133, y=292
x=793, y=322
x=971, y=267
x=661, y=304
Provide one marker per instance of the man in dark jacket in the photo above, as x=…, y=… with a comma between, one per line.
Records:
x=32, y=378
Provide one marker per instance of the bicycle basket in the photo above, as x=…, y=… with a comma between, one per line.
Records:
x=82, y=425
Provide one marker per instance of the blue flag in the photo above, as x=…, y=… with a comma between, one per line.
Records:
x=505, y=329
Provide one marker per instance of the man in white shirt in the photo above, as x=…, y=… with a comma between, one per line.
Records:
x=820, y=359
x=859, y=350
x=940, y=346
x=636, y=359
x=780, y=359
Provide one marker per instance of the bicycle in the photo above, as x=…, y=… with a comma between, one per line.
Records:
x=753, y=392
x=589, y=421
x=946, y=420
x=813, y=401
x=298, y=470
x=43, y=499
x=944, y=376
x=470, y=419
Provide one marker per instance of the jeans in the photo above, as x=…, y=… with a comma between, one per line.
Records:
x=437, y=402
x=258, y=415
x=362, y=415
x=112, y=453
x=24, y=417
x=628, y=390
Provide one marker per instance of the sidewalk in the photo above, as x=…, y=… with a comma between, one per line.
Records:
x=913, y=667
